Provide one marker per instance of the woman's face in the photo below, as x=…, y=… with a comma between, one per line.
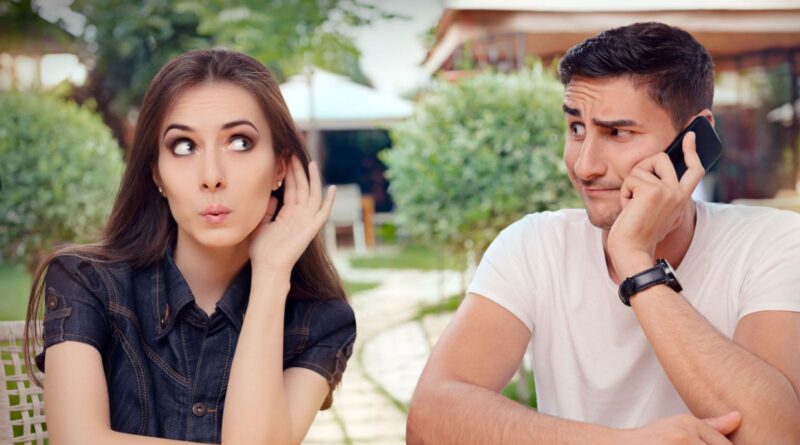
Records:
x=216, y=164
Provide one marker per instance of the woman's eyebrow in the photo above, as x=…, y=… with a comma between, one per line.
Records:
x=239, y=122
x=224, y=127
x=177, y=127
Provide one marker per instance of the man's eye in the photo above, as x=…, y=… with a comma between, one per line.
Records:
x=183, y=147
x=241, y=143
x=577, y=129
x=616, y=132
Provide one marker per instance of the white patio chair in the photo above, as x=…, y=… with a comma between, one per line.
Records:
x=21, y=401
x=347, y=212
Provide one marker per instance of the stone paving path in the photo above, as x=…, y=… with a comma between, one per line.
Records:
x=388, y=357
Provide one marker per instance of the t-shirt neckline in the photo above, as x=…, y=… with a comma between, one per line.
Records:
x=699, y=225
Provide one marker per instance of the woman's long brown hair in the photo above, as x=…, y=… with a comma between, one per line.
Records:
x=141, y=227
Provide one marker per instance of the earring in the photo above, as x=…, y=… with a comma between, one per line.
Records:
x=161, y=190
x=280, y=183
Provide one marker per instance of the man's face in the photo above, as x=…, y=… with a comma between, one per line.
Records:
x=611, y=127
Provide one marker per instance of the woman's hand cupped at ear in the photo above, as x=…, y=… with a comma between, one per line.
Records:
x=276, y=245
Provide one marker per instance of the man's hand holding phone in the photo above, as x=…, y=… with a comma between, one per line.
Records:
x=654, y=203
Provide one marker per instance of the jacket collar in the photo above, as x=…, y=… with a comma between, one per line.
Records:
x=172, y=294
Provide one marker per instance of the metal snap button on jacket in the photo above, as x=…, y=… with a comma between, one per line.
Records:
x=199, y=409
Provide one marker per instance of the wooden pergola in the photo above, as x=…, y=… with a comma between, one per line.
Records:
x=503, y=34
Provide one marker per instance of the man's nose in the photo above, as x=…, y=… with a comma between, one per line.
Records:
x=590, y=163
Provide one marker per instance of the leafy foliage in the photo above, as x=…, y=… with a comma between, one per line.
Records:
x=477, y=155
x=132, y=40
x=59, y=172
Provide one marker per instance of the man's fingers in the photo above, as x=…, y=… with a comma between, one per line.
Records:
x=660, y=167
x=694, y=168
x=632, y=182
x=725, y=424
x=712, y=437
x=646, y=176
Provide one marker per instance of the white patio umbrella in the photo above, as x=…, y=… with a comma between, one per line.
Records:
x=321, y=100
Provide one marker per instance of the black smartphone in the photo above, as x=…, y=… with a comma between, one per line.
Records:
x=709, y=147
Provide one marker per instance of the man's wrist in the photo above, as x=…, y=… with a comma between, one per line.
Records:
x=629, y=265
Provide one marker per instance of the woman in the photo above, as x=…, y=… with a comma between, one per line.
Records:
x=210, y=290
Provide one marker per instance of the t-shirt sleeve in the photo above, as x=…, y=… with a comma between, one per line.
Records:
x=74, y=305
x=772, y=282
x=503, y=275
x=329, y=345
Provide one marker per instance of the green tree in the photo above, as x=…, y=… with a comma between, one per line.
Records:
x=59, y=172
x=478, y=155
x=132, y=40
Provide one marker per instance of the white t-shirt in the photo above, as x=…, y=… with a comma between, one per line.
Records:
x=591, y=359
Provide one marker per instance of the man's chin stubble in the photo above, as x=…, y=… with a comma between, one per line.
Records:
x=602, y=221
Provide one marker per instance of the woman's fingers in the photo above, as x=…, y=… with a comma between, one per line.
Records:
x=324, y=212
x=300, y=180
x=315, y=186
x=290, y=193
x=271, y=207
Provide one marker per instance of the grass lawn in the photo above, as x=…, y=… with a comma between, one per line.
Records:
x=449, y=304
x=410, y=257
x=15, y=283
x=359, y=286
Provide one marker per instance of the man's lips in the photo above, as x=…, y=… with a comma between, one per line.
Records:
x=591, y=191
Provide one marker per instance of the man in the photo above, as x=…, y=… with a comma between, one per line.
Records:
x=716, y=362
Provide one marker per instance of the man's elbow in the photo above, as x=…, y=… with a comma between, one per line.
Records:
x=421, y=414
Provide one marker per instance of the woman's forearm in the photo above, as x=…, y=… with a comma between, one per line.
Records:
x=256, y=406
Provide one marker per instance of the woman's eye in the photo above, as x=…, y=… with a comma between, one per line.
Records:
x=183, y=147
x=241, y=143
x=577, y=129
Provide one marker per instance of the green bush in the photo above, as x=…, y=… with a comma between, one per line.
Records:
x=478, y=155
x=59, y=173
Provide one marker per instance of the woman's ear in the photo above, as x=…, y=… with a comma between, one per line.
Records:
x=281, y=166
x=157, y=180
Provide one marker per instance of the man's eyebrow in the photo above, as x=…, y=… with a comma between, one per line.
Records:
x=571, y=111
x=615, y=123
x=605, y=124
x=224, y=127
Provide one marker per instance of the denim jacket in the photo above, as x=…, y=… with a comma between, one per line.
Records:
x=166, y=361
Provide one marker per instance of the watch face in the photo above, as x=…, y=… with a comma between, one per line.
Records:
x=672, y=280
x=667, y=267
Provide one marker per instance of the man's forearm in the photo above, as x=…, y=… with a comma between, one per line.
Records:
x=714, y=375
x=460, y=413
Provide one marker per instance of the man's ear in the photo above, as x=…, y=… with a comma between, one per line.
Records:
x=706, y=113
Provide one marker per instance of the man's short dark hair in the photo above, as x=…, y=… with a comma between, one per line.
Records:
x=676, y=69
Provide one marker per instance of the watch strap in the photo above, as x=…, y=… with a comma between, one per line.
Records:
x=661, y=273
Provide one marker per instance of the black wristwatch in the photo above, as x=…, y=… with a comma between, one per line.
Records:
x=662, y=273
